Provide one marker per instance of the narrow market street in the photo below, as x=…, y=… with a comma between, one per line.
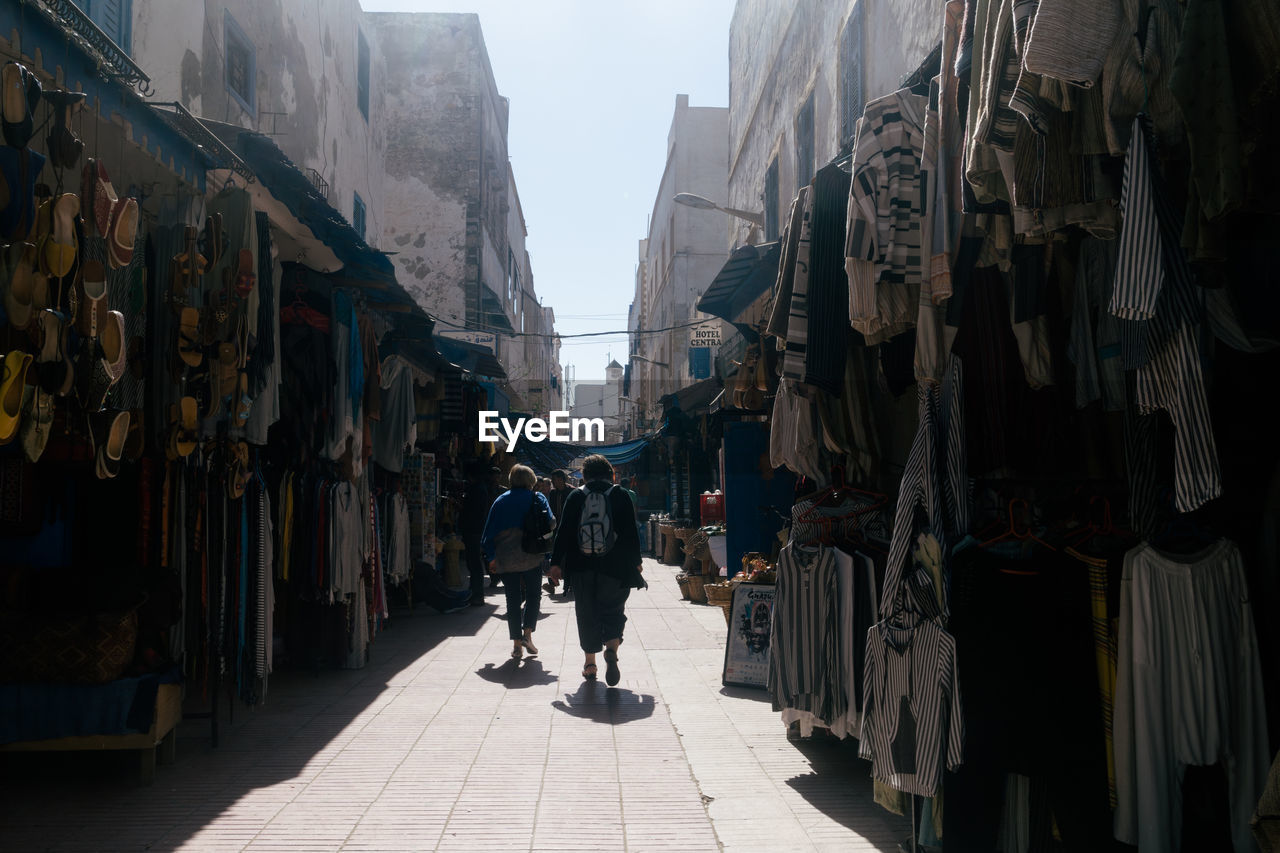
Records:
x=444, y=743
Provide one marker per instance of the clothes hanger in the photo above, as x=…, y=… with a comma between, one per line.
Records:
x=1013, y=532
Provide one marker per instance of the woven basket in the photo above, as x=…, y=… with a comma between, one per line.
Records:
x=697, y=589
x=719, y=593
x=683, y=581
x=671, y=554
x=727, y=607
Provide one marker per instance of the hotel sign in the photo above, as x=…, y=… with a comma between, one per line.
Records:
x=705, y=336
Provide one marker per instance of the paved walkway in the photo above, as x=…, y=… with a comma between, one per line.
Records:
x=443, y=743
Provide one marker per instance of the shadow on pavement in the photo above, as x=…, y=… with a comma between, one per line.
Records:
x=839, y=786
x=88, y=800
x=515, y=674
x=755, y=694
x=613, y=705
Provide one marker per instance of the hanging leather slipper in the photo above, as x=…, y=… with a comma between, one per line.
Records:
x=244, y=403
x=237, y=470
x=110, y=434
x=18, y=99
x=20, y=289
x=189, y=338
x=12, y=380
x=37, y=423
x=186, y=431
x=123, y=231
x=60, y=248
x=105, y=200
x=91, y=292
x=214, y=238
x=112, y=342
x=228, y=363
x=64, y=146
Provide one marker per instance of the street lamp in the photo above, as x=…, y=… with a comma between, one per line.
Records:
x=701, y=203
x=649, y=361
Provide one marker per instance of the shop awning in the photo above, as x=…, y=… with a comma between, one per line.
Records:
x=321, y=235
x=471, y=357
x=749, y=272
x=619, y=454
x=546, y=456
x=695, y=398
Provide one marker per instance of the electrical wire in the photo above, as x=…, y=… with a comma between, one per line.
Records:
x=503, y=333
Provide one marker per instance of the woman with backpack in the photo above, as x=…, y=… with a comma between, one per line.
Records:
x=597, y=546
x=519, y=521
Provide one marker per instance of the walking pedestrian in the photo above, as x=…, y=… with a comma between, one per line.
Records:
x=560, y=491
x=596, y=545
x=521, y=571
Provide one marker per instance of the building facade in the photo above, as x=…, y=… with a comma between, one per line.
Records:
x=309, y=75
x=800, y=72
x=678, y=259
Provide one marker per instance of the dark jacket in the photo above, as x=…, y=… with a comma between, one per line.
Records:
x=557, y=498
x=623, y=562
x=475, y=510
x=504, y=531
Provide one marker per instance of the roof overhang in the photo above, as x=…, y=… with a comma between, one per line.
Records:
x=749, y=272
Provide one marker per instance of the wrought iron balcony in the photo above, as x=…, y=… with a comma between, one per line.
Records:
x=113, y=61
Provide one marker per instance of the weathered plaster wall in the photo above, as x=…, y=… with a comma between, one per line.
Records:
x=779, y=52
x=305, y=84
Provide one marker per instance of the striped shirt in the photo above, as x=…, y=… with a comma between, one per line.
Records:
x=778, y=316
x=806, y=670
x=912, y=717
x=884, y=248
x=797, y=347
x=1161, y=310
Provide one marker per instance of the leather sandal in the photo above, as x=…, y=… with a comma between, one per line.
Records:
x=589, y=672
x=60, y=248
x=110, y=435
x=189, y=338
x=611, y=673
x=12, y=381
x=64, y=146
x=20, y=287
x=37, y=423
x=91, y=292
x=105, y=200
x=122, y=232
x=20, y=96
x=245, y=277
x=238, y=470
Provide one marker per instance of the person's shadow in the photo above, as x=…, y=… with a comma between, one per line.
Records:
x=514, y=674
x=612, y=705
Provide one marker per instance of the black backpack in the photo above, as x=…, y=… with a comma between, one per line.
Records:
x=536, y=536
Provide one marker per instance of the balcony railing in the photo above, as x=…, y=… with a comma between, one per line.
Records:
x=113, y=61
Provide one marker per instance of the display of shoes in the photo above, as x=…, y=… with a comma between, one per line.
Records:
x=19, y=96
x=12, y=381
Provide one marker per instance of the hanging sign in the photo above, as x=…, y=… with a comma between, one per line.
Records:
x=705, y=336
x=746, y=653
x=484, y=339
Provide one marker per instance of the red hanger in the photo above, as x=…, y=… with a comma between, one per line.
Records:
x=1013, y=532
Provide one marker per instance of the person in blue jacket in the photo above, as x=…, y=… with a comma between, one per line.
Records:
x=521, y=572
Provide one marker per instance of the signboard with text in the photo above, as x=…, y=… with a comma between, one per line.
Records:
x=484, y=339
x=746, y=654
x=705, y=336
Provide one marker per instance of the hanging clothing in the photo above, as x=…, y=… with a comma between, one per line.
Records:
x=828, y=301
x=795, y=352
x=884, y=250
x=790, y=240
x=912, y=719
x=806, y=671
x=396, y=431
x=1188, y=691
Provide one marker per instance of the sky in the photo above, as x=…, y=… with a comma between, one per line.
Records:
x=593, y=86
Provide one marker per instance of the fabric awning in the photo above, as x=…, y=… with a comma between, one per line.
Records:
x=697, y=397
x=619, y=454
x=749, y=272
x=471, y=357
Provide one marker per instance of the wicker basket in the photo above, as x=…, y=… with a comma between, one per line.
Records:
x=719, y=593
x=671, y=554
x=697, y=589
x=727, y=607
x=683, y=580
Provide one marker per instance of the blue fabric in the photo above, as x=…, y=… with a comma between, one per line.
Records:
x=45, y=711
x=621, y=454
x=508, y=511
x=345, y=312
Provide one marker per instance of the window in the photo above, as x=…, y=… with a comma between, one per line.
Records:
x=771, y=201
x=113, y=17
x=804, y=143
x=242, y=66
x=700, y=362
x=358, y=215
x=851, y=95
x=362, y=74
